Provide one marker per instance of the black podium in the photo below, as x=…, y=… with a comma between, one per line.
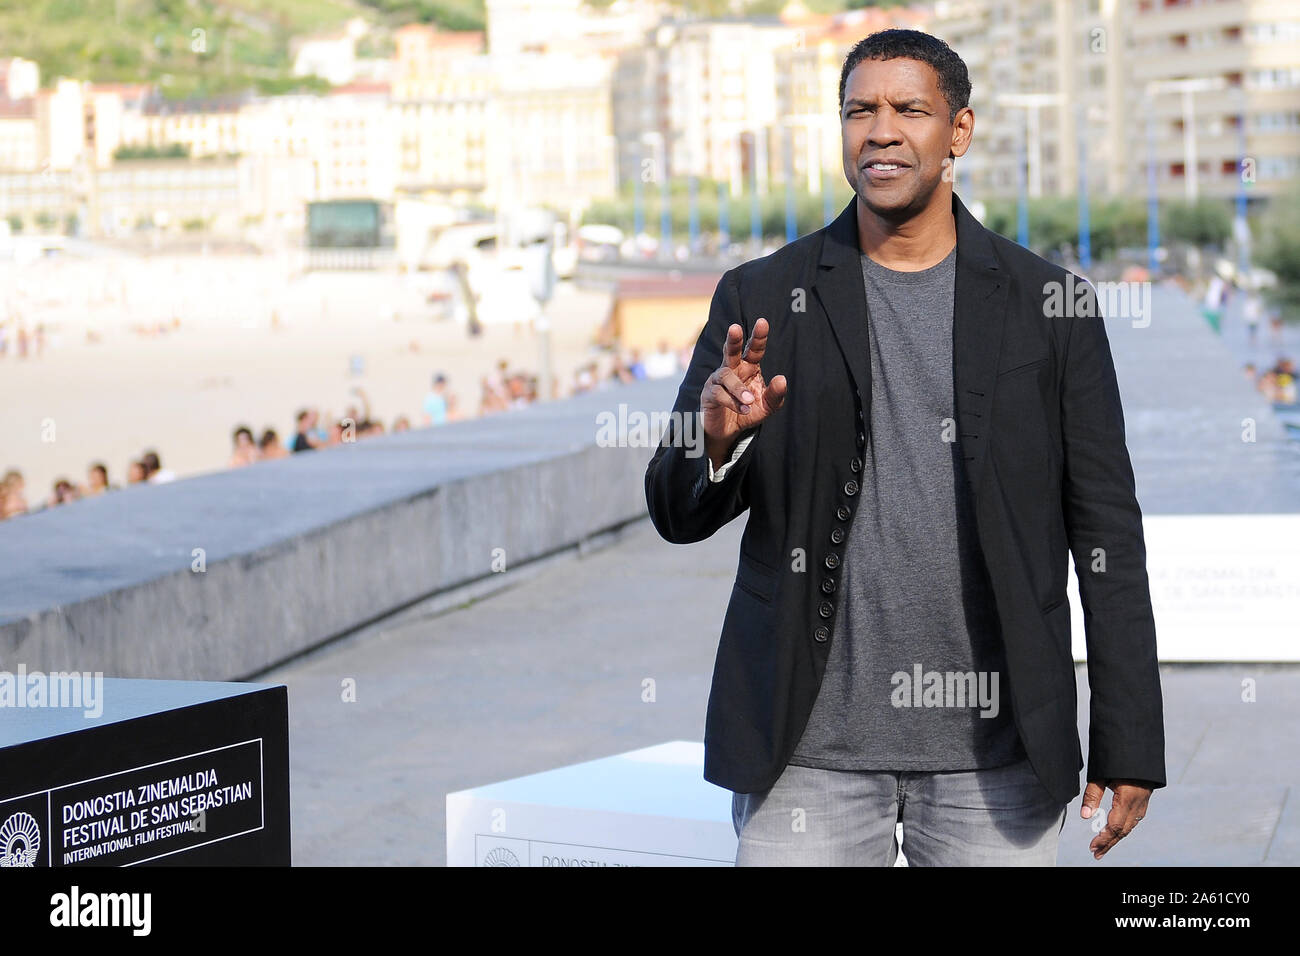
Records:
x=180, y=773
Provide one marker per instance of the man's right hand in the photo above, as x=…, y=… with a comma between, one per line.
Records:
x=735, y=398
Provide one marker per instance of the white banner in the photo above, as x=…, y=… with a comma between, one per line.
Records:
x=1223, y=587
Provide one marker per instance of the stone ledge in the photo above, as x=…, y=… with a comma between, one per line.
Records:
x=303, y=549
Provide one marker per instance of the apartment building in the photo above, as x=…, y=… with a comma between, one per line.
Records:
x=1241, y=115
x=1208, y=90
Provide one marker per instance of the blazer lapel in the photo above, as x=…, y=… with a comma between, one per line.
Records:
x=840, y=290
x=979, y=306
x=979, y=311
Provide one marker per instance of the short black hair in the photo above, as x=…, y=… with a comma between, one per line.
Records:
x=954, y=79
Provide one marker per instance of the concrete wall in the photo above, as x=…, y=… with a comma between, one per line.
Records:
x=302, y=550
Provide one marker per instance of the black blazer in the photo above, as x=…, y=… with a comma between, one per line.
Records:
x=1042, y=432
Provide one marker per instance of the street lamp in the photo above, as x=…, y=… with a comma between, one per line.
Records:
x=1086, y=114
x=1240, y=226
x=1032, y=103
x=1188, y=88
x=1031, y=151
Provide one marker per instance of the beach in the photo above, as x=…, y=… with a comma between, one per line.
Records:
x=173, y=352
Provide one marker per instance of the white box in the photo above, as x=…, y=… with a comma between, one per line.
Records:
x=649, y=807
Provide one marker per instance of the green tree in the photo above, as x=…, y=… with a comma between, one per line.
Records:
x=1054, y=222
x=808, y=210
x=170, y=151
x=1206, y=222
x=1278, y=246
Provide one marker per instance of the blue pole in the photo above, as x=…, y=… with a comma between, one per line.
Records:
x=695, y=214
x=1153, y=202
x=1243, y=229
x=1085, y=225
x=791, y=220
x=1022, y=191
x=724, y=218
x=755, y=222
x=1241, y=178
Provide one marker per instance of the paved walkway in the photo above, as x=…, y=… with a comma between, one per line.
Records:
x=531, y=679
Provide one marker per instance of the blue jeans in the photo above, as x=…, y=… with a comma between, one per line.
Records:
x=997, y=817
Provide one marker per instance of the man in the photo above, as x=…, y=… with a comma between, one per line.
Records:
x=437, y=403
x=919, y=441
x=1216, y=296
x=155, y=473
x=270, y=447
x=304, y=438
x=1251, y=312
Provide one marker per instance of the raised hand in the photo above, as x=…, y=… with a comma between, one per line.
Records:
x=735, y=397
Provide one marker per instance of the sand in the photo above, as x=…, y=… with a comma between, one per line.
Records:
x=183, y=392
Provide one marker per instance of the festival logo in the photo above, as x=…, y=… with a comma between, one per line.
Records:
x=500, y=856
x=20, y=840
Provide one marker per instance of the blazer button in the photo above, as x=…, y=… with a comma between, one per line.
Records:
x=837, y=536
x=855, y=465
x=822, y=635
x=843, y=512
x=832, y=561
x=826, y=609
x=850, y=487
x=862, y=439
x=828, y=585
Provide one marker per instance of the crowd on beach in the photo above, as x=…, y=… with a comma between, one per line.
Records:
x=25, y=341
x=504, y=389
x=1278, y=383
x=147, y=469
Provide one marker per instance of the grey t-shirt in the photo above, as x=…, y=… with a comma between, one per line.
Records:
x=916, y=659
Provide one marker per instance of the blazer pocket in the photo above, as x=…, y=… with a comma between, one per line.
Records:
x=1057, y=618
x=1024, y=367
x=756, y=579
